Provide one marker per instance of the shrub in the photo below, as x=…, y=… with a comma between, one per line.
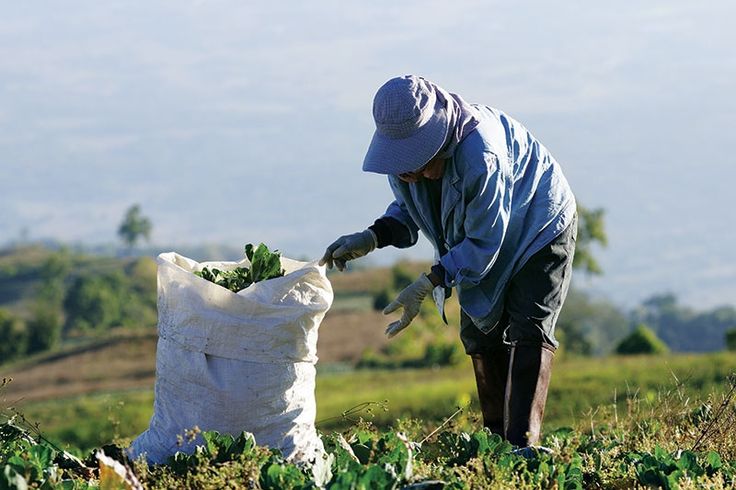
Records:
x=731, y=339
x=382, y=299
x=13, y=337
x=121, y=297
x=642, y=340
x=442, y=353
x=44, y=329
x=94, y=302
x=142, y=275
x=401, y=276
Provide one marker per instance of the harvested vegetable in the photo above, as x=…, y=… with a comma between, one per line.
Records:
x=264, y=265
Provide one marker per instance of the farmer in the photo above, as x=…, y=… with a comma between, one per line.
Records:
x=503, y=222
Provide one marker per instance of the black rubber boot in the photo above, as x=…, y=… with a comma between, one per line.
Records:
x=491, y=372
x=530, y=368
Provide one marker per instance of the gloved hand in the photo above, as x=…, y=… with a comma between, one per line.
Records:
x=349, y=247
x=410, y=299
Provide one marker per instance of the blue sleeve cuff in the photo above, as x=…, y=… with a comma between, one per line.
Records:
x=390, y=231
x=439, y=271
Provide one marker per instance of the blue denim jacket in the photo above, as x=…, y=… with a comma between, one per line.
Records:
x=503, y=198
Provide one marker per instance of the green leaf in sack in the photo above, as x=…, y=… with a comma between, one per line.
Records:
x=265, y=264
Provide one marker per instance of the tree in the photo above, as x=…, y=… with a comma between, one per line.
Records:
x=134, y=226
x=591, y=229
x=642, y=340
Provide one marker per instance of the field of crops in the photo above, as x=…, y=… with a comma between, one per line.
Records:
x=612, y=423
x=670, y=445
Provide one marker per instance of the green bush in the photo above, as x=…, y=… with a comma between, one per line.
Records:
x=44, y=329
x=370, y=359
x=13, y=337
x=642, y=340
x=731, y=339
x=437, y=353
x=442, y=353
x=94, y=302
x=401, y=276
x=122, y=297
x=589, y=325
x=139, y=294
x=425, y=343
x=382, y=299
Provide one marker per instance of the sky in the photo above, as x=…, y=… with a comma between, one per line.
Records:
x=233, y=122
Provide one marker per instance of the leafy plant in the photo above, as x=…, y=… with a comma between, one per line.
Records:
x=28, y=462
x=665, y=469
x=264, y=265
x=458, y=448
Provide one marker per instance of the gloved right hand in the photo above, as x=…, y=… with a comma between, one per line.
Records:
x=410, y=299
x=349, y=247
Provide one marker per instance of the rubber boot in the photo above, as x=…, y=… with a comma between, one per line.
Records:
x=530, y=367
x=491, y=372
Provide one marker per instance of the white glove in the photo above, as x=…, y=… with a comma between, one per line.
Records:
x=349, y=247
x=410, y=299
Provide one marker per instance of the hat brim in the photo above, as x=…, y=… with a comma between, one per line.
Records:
x=398, y=156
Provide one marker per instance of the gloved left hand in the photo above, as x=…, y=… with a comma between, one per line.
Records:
x=349, y=247
x=410, y=299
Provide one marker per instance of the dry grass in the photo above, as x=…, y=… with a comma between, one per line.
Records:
x=127, y=360
x=373, y=279
x=121, y=362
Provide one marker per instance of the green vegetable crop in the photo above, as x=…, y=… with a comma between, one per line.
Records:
x=264, y=264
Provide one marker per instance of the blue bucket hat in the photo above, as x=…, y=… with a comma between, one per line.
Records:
x=411, y=126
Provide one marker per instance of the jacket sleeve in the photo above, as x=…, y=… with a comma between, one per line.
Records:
x=486, y=221
x=395, y=228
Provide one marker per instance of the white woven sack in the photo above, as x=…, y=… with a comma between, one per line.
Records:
x=236, y=362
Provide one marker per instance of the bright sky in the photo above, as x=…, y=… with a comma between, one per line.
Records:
x=235, y=122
